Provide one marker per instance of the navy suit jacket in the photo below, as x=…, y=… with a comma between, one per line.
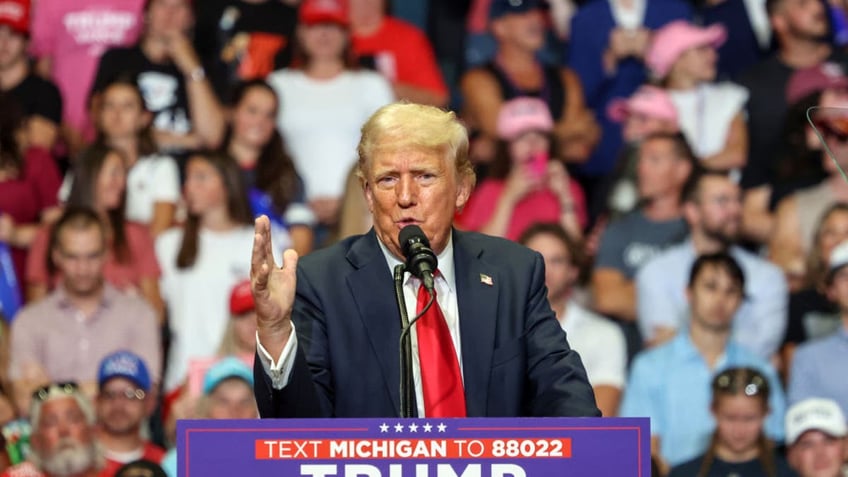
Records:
x=516, y=360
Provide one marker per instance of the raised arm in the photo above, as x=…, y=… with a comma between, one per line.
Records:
x=273, y=290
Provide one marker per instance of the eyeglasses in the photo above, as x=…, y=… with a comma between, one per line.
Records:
x=128, y=394
x=745, y=380
x=66, y=388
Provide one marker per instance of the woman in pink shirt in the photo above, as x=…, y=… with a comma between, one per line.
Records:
x=131, y=266
x=526, y=186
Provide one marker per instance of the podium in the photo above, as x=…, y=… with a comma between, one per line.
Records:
x=392, y=447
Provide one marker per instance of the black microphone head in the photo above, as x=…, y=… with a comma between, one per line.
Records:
x=409, y=236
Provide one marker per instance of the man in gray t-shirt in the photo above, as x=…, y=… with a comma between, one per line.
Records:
x=664, y=164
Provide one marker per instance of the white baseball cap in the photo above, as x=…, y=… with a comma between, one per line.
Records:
x=814, y=414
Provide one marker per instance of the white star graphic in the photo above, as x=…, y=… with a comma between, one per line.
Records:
x=427, y=427
x=442, y=427
x=384, y=427
x=398, y=427
x=413, y=427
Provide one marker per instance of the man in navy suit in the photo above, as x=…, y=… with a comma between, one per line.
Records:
x=329, y=327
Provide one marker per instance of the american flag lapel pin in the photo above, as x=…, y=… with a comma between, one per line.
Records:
x=486, y=280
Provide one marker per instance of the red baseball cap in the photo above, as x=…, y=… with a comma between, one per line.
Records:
x=241, y=299
x=15, y=15
x=814, y=80
x=324, y=11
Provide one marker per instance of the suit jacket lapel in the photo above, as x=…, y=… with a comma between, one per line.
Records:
x=371, y=285
x=477, y=296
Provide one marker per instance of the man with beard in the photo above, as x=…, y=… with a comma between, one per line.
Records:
x=62, y=440
x=123, y=404
x=671, y=383
x=64, y=336
x=712, y=208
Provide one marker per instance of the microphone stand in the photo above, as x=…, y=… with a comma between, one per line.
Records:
x=407, y=386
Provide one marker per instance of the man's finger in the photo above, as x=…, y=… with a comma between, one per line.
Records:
x=290, y=259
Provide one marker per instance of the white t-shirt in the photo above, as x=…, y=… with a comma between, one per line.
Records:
x=320, y=121
x=600, y=344
x=151, y=179
x=198, y=297
x=705, y=114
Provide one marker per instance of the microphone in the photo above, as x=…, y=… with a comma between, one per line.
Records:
x=420, y=259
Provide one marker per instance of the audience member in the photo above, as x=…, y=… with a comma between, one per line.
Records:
x=130, y=264
x=670, y=383
x=325, y=101
x=68, y=39
x=683, y=57
x=204, y=259
x=124, y=402
x=253, y=140
x=63, y=441
x=527, y=183
x=186, y=112
x=648, y=111
x=749, y=34
x=239, y=340
x=65, y=335
x=516, y=71
x=153, y=180
x=798, y=213
x=816, y=436
x=800, y=28
x=712, y=209
x=38, y=98
x=609, y=39
x=29, y=182
x=600, y=343
x=740, y=404
x=817, y=365
x=242, y=40
x=398, y=50
x=812, y=314
x=227, y=394
x=664, y=164
x=800, y=161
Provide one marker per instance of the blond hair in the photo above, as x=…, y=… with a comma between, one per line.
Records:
x=404, y=125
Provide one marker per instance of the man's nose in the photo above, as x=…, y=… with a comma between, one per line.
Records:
x=407, y=192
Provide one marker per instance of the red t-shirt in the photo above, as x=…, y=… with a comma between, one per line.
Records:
x=123, y=276
x=26, y=196
x=403, y=54
x=151, y=452
x=539, y=206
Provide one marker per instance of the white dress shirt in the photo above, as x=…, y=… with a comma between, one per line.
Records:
x=445, y=282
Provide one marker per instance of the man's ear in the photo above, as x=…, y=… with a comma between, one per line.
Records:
x=464, y=188
x=369, y=195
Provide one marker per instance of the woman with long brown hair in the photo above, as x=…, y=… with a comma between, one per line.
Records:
x=738, y=446
x=252, y=139
x=204, y=259
x=99, y=183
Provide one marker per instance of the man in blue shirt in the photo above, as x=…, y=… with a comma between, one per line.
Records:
x=818, y=367
x=713, y=209
x=671, y=383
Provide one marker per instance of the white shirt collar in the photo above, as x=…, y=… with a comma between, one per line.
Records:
x=445, y=265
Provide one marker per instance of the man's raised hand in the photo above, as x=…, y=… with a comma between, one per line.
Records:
x=273, y=289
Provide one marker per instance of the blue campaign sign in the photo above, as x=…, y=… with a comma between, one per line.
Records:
x=474, y=447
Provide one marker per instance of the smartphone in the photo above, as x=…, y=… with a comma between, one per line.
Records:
x=539, y=164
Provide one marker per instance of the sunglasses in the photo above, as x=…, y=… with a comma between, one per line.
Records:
x=129, y=394
x=836, y=128
x=69, y=388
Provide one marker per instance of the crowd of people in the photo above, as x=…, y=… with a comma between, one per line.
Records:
x=680, y=166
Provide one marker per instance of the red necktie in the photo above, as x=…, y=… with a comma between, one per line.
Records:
x=440, y=376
